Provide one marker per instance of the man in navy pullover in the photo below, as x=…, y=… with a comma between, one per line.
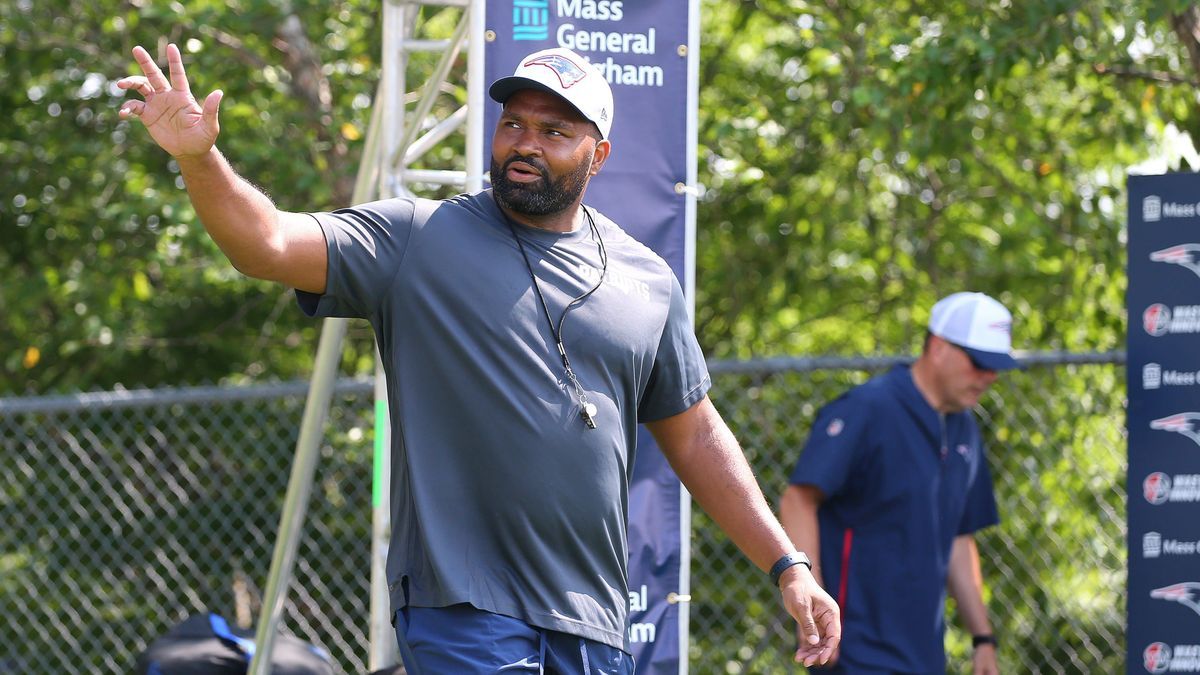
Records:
x=894, y=474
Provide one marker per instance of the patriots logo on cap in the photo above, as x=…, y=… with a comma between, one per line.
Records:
x=1184, y=255
x=1186, y=423
x=567, y=70
x=1186, y=594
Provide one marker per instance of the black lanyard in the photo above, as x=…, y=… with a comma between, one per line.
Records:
x=587, y=409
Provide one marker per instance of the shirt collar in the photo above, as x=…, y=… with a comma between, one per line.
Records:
x=900, y=378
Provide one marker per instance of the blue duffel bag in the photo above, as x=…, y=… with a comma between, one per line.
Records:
x=205, y=644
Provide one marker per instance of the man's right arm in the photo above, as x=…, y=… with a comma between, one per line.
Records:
x=260, y=240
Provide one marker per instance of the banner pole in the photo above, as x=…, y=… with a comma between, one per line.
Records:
x=312, y=426
x=383, y=651
x=287, y=543
x=691, y=190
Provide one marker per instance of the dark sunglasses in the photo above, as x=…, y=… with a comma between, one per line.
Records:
x=975, y=364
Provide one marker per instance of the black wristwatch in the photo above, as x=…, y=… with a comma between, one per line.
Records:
x=789, y=560
x=988, y=639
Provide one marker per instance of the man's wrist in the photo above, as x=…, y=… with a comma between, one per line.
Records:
x=788, y=561
x=204, y=160
x=983, y=639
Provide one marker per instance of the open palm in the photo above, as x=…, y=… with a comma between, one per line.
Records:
x=176, y=121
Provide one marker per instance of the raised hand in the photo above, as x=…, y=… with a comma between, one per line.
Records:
x=175, y=120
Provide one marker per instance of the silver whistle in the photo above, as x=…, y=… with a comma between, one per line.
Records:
x=588, y=413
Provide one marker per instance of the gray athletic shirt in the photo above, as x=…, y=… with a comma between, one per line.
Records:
x=501, y=496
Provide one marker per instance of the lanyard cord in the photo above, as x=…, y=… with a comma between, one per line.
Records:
x=587, y=408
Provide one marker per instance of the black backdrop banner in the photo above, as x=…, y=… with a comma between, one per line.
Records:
x=1163, y=300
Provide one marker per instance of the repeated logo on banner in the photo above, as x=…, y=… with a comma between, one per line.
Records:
x=1164, y=424
x=642, y=48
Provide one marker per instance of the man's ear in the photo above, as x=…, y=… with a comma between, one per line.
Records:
x=599, y=156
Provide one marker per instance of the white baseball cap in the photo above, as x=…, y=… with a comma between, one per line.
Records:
x=567, y=74
x=979, y=325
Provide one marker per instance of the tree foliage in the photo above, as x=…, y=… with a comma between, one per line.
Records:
x=109, y=278
x=863, y=159
x=859, y=159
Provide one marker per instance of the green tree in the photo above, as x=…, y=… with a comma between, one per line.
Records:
x=863, y=159
x=860, y=160
x=109, y=278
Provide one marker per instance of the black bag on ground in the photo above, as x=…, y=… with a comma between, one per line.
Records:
x=205, y=644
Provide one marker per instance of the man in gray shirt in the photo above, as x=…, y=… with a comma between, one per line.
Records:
x=524, y=336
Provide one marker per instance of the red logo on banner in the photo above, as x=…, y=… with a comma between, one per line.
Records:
x=1186, y=593
x=1157, y=487
x=1156, y=319
x=1157, y=657
x=1185, y=423
x=1184, y=255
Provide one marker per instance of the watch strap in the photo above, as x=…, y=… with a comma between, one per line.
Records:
x=789, y=560
x=988, y=639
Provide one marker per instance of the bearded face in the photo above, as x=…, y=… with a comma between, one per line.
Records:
x=544, y=152
x=548, y=195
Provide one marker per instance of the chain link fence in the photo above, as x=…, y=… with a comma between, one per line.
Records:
x=1054, y=568
x=123, y=512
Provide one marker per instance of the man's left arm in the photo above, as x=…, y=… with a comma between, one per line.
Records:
x=709, y=461
x=965, y=583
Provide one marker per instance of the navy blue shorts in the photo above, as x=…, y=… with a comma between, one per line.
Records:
x=461, y=639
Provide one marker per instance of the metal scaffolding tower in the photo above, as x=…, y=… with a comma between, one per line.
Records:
x=397, y=139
